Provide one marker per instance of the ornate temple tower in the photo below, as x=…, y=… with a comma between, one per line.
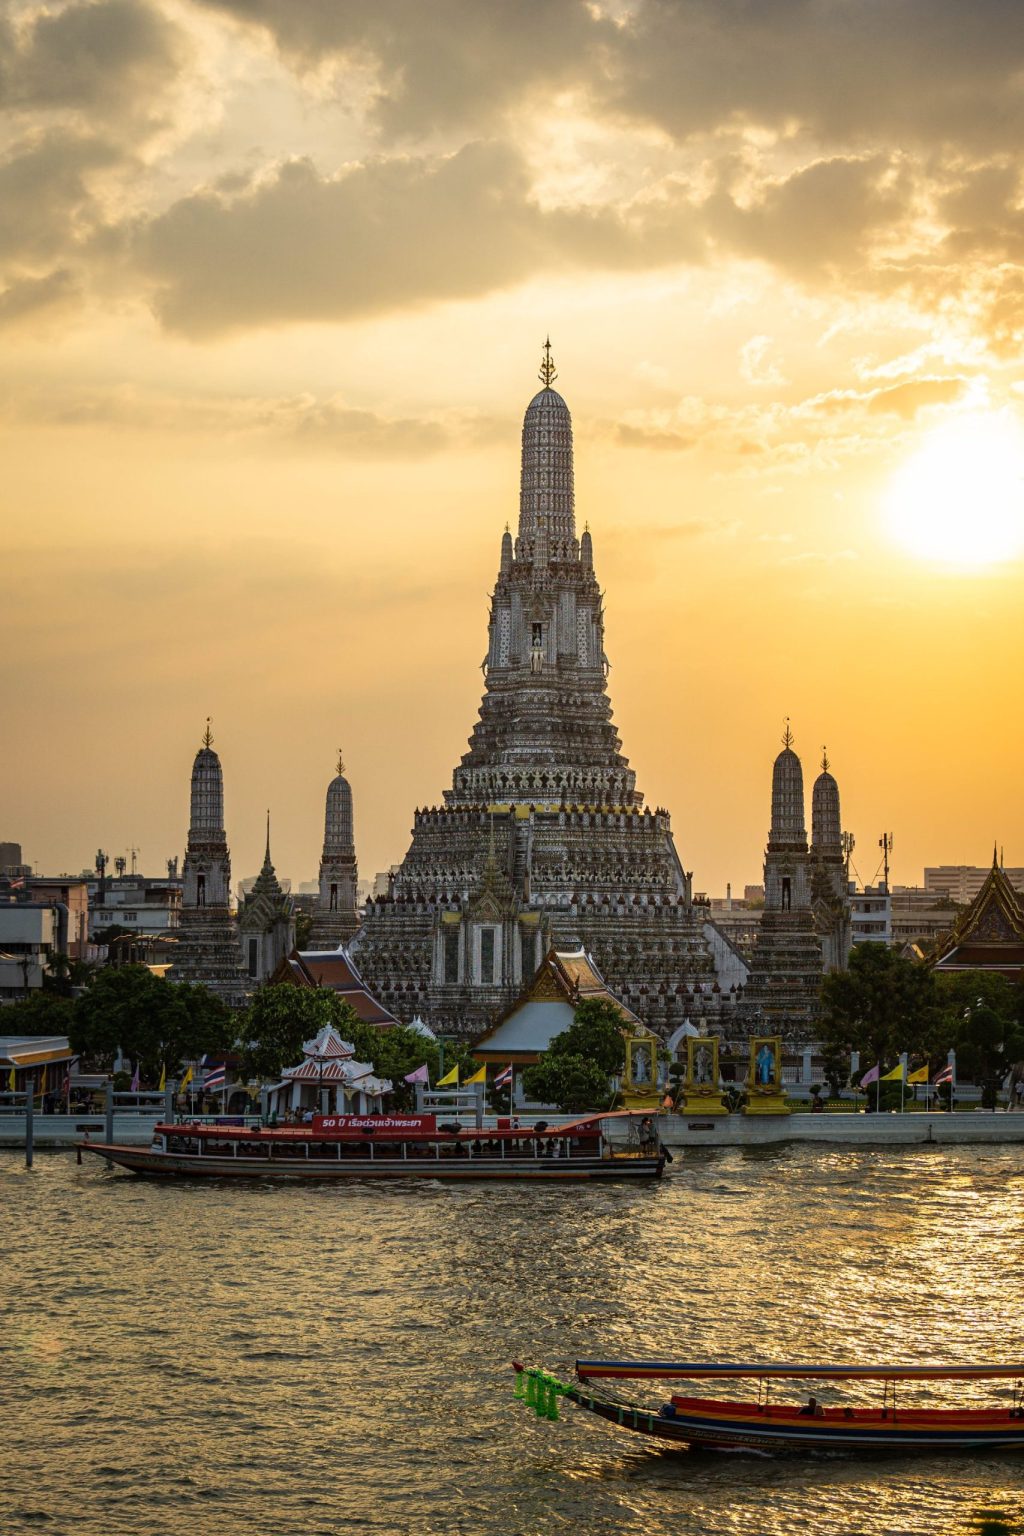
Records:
x=266, y=924
x=207, y=937
x=543, y=837
x=830, y=898
x=781, y=995
x=336, y=920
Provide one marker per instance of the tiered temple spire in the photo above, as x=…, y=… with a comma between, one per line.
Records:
x=781, y=995
x=208, y=949
x=336, y=919
x=543, y=837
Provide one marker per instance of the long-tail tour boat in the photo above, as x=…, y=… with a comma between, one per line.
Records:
x=766, y=1425
x=397, y=1147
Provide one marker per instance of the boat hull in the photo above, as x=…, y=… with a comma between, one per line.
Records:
x=916, y=1433
x=156, y=1164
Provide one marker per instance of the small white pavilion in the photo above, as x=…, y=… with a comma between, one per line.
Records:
x=328, y=1080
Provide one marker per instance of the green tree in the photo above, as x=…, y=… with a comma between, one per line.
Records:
x=271, y=1031
x=281, y=1018
x=597, y=1034
x=882, y=1005
x=41, y=1013
x=574, y=1071
x=570, y=1081
x=153, y=1022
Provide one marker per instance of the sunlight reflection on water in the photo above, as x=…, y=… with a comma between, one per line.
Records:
x=182, y=1359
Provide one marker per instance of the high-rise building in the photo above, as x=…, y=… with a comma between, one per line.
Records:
x=963, y=882
x=543, y=839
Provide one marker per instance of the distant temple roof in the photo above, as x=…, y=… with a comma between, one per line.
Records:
x=565, y=979
x=990, y=934
x=335, y=970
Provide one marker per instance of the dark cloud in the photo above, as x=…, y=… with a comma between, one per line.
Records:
x=822, y=217
x=45, y=198
x=35, y=297
x=108, y=59
x=440, y=63
x=848, y=71
x=388, y=234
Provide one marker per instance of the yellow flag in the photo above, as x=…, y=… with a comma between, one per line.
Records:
x=10, y=1081
x=895, y=1076
x=185, y=1081
x=478, y=1077
x=450, y=1079
x=42, y=1084
x=920, y=1076
x=163, y=1076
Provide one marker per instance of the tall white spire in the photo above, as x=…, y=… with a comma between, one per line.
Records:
x=788, y=795
x=546, y=494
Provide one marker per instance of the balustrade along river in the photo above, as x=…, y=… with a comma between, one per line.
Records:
x=199, y=1360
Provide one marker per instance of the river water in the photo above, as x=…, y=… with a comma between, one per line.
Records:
x=306, y=1361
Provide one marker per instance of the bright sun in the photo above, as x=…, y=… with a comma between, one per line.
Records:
x=960, y=498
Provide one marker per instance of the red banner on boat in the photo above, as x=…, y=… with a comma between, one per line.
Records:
x=375, y=1125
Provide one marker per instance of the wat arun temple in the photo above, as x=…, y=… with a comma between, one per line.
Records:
x=544, y=838
x=543, y=841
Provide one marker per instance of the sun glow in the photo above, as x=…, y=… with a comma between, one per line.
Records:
x=960, y=498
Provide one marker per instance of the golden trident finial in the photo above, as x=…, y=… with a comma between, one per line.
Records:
x=824, y=760
x=787, y=735
x=547, y=367
x=207, y=734
x=341, y=763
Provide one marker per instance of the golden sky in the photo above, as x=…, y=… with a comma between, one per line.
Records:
x=274, y=276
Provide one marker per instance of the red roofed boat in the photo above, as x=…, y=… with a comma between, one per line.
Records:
x=811, y=1426
x=396, y=1147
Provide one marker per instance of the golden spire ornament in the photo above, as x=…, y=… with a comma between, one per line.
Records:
x=341, y=763
x=787, y=735
x=547, y=368
x=208, y=734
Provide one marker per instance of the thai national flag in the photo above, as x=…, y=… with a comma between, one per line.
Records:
x=945, y=1076
x=504, y=1079
x=215, y=1078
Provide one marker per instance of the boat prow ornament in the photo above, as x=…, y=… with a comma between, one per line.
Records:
x=763, y=1423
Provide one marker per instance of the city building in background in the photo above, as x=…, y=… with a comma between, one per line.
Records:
x=963, y=882
x=871, y=914
x=12, y=866
x=31, y=934
x=144, y=904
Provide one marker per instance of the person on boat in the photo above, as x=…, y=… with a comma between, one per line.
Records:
x=812, y=1409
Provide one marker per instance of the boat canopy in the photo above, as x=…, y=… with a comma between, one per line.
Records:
x=709, y=1370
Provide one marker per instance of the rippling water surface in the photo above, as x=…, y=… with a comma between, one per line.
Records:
x=305, y=1361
